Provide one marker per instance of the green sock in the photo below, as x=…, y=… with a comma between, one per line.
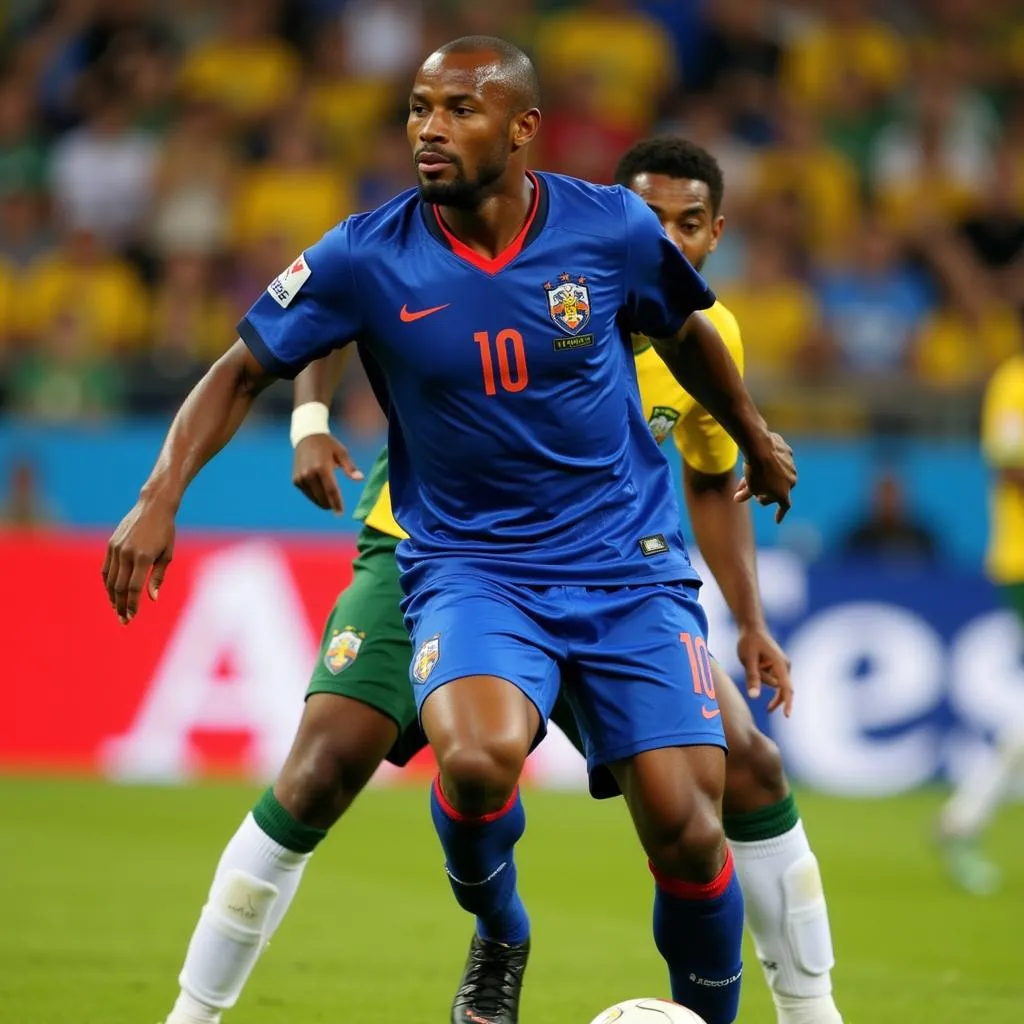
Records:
x=273, y=819
x=764, y=823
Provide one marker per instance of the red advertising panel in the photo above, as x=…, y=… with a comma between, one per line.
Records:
x=209, y=677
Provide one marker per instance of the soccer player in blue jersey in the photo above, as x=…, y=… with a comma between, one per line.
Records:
x=493, y=308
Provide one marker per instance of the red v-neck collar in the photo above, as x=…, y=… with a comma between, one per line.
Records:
x=489, y=264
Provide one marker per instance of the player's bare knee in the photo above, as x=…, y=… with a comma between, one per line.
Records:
x=478, y=779
x=699, y=851
x=691, y=849
x=755, y=775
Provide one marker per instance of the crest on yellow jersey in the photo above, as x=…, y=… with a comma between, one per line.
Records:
x=662, y=422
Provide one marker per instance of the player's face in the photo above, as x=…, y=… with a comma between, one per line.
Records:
x=683, y=206
x=460, y=129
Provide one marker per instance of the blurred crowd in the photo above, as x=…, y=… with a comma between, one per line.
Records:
x=162, y=160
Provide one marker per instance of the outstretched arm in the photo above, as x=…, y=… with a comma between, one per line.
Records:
x=206, y=421
x=725, y=536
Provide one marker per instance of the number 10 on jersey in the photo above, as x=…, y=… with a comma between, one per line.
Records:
x=512, y=379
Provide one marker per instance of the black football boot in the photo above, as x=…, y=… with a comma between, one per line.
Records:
x=491, y=983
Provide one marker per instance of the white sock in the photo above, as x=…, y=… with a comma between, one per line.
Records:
x=977, y=798
x=252, y=888
x=788, y=920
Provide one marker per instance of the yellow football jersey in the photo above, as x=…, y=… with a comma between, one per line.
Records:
x=381, y=518
x=1002, y=442
x=703, y=443
x=701, y=440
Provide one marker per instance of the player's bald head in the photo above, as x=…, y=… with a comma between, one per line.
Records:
x=489, y=60
x=472, y=115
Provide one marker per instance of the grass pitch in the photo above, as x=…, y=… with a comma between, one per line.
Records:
x=100, y=887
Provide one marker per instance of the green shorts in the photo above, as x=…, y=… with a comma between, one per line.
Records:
x=365, y=651
x=1013, y=595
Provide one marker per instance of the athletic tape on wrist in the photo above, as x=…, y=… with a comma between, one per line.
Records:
x=308, y=419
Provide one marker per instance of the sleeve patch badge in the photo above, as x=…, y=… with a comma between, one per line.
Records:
x=289, y=282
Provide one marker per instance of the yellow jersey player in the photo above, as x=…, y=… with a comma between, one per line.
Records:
x=977, y=798
x=360, y=708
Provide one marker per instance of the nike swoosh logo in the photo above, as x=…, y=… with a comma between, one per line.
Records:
x=408, y=318
x=710, y=712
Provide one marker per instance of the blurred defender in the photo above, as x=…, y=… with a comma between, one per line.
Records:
x=360, y=707
x=976, y=800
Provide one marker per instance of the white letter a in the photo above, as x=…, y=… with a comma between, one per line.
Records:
x=243, y=609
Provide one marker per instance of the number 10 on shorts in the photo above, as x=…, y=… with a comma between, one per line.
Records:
x=700, y=665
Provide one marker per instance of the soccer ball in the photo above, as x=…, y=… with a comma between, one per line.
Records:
x=647, y=1011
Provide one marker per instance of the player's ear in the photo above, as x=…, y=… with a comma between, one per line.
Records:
x=716, y=232
x=524, y=127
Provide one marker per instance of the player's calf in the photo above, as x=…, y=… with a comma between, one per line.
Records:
x=755, y=777
x=481, y=729
x=674, y=796
x=785, y=901
x=339, y=745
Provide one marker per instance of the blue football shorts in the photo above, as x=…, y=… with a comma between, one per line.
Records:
x=633, y=659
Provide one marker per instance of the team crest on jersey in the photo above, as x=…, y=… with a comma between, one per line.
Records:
x=343, y=649
x=426, y=658
x=286, y=285
x=569, y=302
x=662, y=422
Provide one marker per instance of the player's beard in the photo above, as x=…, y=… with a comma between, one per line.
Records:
x=461, y=192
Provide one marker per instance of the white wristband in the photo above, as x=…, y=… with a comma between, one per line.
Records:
x=308, y=419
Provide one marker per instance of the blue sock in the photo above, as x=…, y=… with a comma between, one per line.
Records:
x=480, y=865
x=698, y=929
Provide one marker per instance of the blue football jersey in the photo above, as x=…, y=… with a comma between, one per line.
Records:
x=517, y=441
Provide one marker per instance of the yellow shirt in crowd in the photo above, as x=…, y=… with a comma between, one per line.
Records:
x=6, y=304
x=825, y=184
x=106, y=302
x=819, y=62
x=349, y=112
x=781, y=319
x=296, y=203
x=1002, y=442
x=249, y=80
x=629, y=57
x=953, y=350
x=669, y=409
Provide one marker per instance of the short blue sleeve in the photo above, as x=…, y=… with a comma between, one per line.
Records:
x=662, y=288
x=309, y=309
